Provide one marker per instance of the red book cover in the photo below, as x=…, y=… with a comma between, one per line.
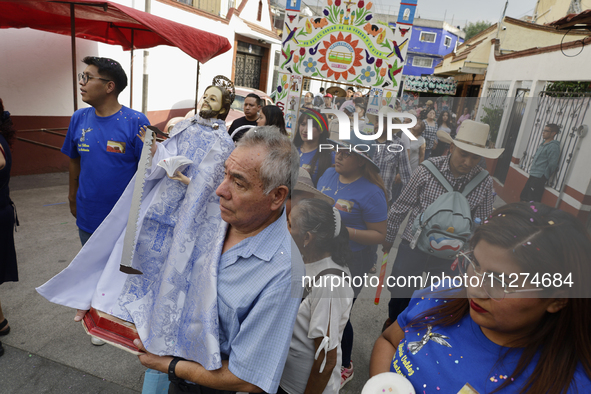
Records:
x=111, y=329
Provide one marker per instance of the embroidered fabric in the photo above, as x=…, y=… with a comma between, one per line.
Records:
x=179, y=242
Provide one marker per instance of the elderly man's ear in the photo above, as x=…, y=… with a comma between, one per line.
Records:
x=279, y=196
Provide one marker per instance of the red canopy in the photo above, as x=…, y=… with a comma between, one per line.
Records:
x=111, y=23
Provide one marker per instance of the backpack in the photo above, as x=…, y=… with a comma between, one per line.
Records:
x=446, y=225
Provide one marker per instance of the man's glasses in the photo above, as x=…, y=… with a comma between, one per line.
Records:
x=85, y=77
x=495, y=287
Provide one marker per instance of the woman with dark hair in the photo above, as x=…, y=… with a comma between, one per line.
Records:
x=8, y=267
x=313, y=159
x=520, y=322
x=315, y=347
x=271, y=115
x=360, y=196
x=445, y=122
x=445, y=125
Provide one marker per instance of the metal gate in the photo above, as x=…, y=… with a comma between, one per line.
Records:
x=511, y=134
x=492, y=107
x=567, y=110
x=248, y=65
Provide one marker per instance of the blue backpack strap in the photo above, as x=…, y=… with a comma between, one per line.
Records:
x=473, y=184
x=437, y=174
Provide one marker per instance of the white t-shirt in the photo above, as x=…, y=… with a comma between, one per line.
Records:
x=413, y=149
x=322, y=308
x=446, y=129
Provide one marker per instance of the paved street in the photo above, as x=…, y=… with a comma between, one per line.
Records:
x=47, y=352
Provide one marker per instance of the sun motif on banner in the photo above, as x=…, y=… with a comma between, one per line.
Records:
x=340, y=56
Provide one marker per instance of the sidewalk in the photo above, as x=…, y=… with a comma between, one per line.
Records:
x=47, y=352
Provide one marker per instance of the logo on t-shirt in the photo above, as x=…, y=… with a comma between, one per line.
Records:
x=344, y=205
x=84, y=131
x=115, y=146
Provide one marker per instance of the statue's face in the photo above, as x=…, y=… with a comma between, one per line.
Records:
x=211, y=103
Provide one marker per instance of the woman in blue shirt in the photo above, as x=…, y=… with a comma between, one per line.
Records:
x=489, y=336
x=313, y=159
x=359, y=194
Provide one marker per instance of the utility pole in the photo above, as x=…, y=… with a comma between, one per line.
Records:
x=148, y=9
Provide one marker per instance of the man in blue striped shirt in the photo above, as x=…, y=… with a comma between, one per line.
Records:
x=259, y=283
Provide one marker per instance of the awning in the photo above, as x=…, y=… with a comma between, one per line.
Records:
x=573, y=21
x=111, y=23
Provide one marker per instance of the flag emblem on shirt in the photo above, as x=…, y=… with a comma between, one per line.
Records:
x=115, y=146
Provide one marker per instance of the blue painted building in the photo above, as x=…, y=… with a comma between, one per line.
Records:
x=429, y=43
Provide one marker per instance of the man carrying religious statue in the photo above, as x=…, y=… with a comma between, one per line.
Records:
x=180, y=235
x=259, y=281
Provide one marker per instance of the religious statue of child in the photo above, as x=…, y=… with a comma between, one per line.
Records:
x=173, y=304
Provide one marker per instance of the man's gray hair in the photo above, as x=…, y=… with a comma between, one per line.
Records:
x=282, y=163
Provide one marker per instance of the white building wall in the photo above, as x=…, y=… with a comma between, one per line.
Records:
x=172, y=72
x=250, y=13
x=539, y=69
x=36, y=76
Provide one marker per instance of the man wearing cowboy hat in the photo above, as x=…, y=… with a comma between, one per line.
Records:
x=459, y=168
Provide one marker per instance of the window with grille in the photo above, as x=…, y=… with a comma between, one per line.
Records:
x=306, y=84
x=260, y=12
x=426, y=62
x=428, y=37
x=447, y=42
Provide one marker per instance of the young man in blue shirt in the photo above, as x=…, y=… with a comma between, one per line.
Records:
x=102, y=144
x=544, y=164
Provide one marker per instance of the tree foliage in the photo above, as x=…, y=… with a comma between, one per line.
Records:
x=569, y=86
x=472, y=29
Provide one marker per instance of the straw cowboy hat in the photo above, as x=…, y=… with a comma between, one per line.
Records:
x=337, y=91
x=304, y=184
x=472, y=137
x=444, y=137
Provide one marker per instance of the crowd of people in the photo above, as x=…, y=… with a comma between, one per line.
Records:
x=235, y=248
